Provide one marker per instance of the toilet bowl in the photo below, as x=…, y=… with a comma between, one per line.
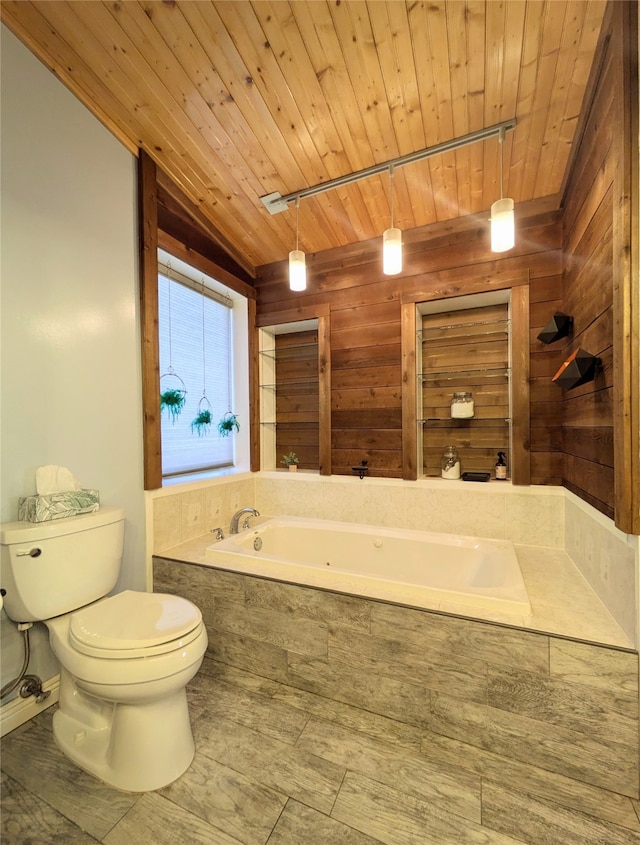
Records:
x=125, y=659
x=122, y=713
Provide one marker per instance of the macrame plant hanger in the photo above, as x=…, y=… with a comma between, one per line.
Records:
x=202, y=422
x=172, y=387
x=229, y=422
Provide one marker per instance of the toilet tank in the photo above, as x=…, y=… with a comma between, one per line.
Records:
x=50, y=568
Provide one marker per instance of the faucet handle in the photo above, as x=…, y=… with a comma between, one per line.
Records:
x=219, y=533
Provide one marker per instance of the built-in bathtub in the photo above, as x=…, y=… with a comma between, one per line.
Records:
x=417, y=568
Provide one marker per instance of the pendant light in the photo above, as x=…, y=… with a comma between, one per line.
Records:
x=297, y=267
x=391, y=242
x=502, y=217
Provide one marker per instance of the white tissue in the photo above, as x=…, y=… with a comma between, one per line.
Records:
x=54, y=479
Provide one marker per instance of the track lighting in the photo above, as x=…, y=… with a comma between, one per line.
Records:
x=502, y=218
x=502, y=211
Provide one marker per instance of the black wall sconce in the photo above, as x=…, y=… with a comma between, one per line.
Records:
x=559, y=326
x=579, y=368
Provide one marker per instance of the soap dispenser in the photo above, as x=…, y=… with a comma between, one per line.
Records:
x=501, y=467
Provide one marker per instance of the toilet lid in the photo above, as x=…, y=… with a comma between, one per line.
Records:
x=132, y=623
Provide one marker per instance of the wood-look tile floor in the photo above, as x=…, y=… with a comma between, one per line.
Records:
x=277, y=766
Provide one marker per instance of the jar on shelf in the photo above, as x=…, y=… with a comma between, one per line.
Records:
x=462, y=406
x=450, y=463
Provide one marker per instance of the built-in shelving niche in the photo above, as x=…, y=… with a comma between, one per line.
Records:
x=477, y=344
x=291, y=373
x=464, y=348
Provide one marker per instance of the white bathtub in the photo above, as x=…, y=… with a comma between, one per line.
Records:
x=417, y=568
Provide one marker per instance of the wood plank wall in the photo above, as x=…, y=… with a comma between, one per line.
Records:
x=590, y=198
x=441, y=261
x=473, y=343
x=297, y=395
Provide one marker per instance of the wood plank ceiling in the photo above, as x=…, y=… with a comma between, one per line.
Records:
x=236, y=100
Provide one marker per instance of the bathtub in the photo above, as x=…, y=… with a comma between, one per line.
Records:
x=416, y=568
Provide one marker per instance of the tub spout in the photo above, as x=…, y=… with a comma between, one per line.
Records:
x=235, y=519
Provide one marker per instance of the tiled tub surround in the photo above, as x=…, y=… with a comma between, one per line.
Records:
x=178, y=515
x=606, y=557
x=536, y=519
x=549, y=703
x=529, y=515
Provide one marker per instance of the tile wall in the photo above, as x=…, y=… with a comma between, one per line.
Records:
x=180, y=514
x=606, y=557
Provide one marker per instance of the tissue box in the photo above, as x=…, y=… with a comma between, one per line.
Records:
x=58, y=505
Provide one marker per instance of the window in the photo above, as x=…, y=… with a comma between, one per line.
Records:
x=196, y=349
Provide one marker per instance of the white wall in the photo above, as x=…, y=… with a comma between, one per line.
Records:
x=70, y=368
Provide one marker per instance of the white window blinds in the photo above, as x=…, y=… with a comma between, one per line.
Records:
x=186, y=449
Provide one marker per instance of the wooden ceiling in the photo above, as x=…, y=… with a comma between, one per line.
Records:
x=236, y=100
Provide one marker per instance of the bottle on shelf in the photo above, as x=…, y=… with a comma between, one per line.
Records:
x=501, y=467
x=450, y=463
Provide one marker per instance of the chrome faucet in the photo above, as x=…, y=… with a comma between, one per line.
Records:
x=235, y=519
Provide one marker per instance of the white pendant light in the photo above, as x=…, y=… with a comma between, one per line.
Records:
x=297, y=266
x=502, y=216
x=391, y=242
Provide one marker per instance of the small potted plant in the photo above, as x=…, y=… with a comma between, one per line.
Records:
x=228, y=424
x=290, y=461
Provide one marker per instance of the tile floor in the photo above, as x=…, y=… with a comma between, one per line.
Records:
x=276, y=766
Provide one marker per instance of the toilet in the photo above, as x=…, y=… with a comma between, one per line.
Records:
x=125, y=659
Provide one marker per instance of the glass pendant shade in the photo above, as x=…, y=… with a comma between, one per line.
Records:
x=297, y=270
x=502, y=225
x=391, y=252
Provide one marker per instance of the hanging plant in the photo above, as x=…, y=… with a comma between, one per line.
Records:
x=172, y=397
x=172, y=401
x=228, y=424
x=202, y=422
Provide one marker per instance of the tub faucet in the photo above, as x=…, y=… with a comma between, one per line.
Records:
x=235, y=519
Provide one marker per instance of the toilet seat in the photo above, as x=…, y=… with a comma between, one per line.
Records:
x=133, y=624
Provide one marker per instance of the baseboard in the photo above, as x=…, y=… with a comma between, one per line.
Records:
x=19, y=710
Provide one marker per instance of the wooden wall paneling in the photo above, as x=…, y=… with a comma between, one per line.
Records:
x=380, y=419
x=409, y=388
x=324, y=394
x=148, y=229
x=368, y=386
x=546, y=467
x=466, y=350
x=600, y=419
x=291, y=314
x=587, y=277
x=592, y=444
x=297, y=397
x=545, y=397
x=590, y=409
x=387, y=355
x=521, y=415
x=348, y=278
x=196, y=230
x=592, y=479
x=367, y=335
x=626, y=285
x=201, y=262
